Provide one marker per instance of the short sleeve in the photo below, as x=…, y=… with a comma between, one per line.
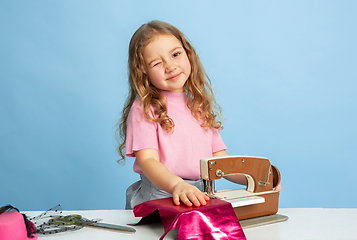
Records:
x=217, y=142
x=141, y=133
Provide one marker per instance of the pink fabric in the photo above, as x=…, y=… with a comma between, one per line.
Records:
x=216, y=220
x=13, y=227
x=180, y=151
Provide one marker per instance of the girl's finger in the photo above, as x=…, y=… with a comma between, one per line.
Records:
x=201, y=199
x=176, y=199
x=206, y=197
x=278, y=187
x=185, y=200
x=193, y=198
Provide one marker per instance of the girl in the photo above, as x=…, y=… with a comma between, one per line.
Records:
x=169, y=121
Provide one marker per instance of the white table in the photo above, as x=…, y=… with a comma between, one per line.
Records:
x=303, y=223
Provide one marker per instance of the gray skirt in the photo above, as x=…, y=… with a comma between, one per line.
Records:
x=143, y=190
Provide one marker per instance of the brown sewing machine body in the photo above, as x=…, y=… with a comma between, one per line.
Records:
x=259, y=198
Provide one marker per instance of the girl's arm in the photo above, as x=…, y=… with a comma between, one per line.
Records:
x=161, y=177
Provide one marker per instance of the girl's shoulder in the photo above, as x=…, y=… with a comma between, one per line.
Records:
x=137, y=106
x=136, y=103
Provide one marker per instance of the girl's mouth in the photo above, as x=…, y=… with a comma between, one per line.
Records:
x=174, y=77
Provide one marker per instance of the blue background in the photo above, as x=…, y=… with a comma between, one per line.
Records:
x=283, y=71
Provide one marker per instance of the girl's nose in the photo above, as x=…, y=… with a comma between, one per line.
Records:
x=170, y=67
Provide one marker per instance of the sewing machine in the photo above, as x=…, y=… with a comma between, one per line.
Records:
x=259, y=199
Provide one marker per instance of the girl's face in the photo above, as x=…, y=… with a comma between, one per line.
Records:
x=167, y=64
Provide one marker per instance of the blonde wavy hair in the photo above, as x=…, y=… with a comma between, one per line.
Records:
x=198, y=88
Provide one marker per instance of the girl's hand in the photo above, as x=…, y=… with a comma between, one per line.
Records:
x=278, y=187
x=188, y=194
x=161, y=177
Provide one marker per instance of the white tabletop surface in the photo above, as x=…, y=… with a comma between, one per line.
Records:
x=303, y=223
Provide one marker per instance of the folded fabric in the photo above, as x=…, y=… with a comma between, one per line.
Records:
x=215, y=220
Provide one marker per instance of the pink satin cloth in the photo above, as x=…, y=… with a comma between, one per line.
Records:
x=215, y=220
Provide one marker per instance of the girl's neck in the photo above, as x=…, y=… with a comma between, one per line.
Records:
x=175, y=96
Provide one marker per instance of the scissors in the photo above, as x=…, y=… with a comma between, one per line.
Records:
x=76, y=219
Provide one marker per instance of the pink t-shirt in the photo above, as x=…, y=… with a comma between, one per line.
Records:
x=179, y=151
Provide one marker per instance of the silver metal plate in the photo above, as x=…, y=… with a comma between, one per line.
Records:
x=264, y=220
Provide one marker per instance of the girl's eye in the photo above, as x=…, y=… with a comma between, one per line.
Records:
x=176, y=54
x=156, y=64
